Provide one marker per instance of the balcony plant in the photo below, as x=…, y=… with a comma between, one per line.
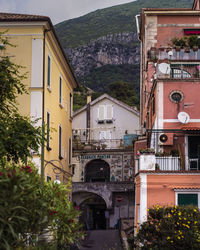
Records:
x=147, y=151
x=179, y=42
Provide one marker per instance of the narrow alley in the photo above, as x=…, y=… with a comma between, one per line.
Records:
x=102, y=240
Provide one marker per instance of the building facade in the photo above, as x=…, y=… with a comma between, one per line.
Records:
x=50, y=83
x=170, y=117
x=102, y=163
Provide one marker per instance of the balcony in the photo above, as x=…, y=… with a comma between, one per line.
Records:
x=165, y=163
x=186, y=54
x=99, y=145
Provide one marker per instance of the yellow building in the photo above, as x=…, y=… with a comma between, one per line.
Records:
x=50, y=82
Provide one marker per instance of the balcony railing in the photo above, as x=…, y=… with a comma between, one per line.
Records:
x=106, y=144
x=176, y=55
x=184, y=71
x=165, y=163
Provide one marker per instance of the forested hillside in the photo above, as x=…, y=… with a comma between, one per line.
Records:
x=103, y=48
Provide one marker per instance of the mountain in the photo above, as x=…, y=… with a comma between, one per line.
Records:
x=102, y=46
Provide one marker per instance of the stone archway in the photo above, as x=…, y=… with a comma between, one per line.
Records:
x=97, y=171
x=93, y=209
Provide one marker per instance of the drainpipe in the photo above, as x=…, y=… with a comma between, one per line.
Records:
x=88, y=118
x=141, y=71
x=137, y=26
x=43, y=110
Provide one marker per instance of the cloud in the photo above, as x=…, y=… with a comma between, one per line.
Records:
x=57, y=10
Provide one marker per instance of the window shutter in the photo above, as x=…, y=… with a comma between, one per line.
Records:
x=101, y=112
x=102, y=135
x=108, y=135
x=109, y=112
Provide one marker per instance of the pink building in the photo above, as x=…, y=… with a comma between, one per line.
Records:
x=170, y=109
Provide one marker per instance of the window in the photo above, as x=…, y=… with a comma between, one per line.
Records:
x=105, y=135
x=153, y=105
x=105, y=113
x=60, y=90
x=60, y=143
x=49, y=72
x=70, y=105
x=48, y=178
x=176, y=96
x=70, y=150
x=188, y=199
x=48, y=131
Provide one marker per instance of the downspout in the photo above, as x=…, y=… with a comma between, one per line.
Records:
x=141, y=76
x=43, y=102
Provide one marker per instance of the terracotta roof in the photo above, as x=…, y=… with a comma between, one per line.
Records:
x=6, y=17
x=192, y=186
x=190, y=128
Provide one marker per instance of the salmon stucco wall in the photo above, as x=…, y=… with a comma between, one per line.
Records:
x=160, y=188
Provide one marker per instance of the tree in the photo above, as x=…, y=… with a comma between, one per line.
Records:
x=176, y=227
x=18, y=136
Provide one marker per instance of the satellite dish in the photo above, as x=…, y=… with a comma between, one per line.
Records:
x=164, y=68
x=183, y=117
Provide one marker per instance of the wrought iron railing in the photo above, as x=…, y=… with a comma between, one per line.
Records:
x=170, y=163
x=104, y=144
x=184, y=71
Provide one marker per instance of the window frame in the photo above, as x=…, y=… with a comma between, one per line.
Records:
x=187, y=191
x=60, y=143
x=60, y=91
x=48, y=131
x=49, y=72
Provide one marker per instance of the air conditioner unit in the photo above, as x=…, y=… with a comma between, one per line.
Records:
x=166, y=139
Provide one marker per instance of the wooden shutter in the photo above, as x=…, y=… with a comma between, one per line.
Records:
x=109, y=112
x=101, y=113
x=102, y=135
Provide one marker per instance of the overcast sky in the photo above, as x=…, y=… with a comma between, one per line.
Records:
x=57, y=10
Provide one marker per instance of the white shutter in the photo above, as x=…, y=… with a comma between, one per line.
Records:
x=108, y=135
x=109, y=112
x=101, y=112
x=102, y=135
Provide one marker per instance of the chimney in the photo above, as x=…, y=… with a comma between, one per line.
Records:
x=89, y=97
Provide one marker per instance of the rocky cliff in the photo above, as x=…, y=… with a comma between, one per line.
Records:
x=115, y=49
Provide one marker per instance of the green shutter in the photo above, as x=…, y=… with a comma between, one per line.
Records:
x=188, y=199
x=49, y=72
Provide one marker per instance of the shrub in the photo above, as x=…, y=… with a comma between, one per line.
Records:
x=176, y=227
x=27, y=208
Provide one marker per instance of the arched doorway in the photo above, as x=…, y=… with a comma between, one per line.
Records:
x=97, y=171
x=94, y=213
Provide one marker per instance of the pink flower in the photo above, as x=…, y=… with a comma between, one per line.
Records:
x=1, y=174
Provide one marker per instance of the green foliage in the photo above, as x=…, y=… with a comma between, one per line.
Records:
x=104, y=79
x=22, y=209
x=176, y=227
x=27, y=208
x=17, y=133
x=100, y=78
x=113, y=20
x=66, y=227
x=187, y=41
x=123, y=92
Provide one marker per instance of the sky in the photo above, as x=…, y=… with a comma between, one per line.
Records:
x=57, y=10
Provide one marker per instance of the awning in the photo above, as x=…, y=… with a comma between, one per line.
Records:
x=191, y=31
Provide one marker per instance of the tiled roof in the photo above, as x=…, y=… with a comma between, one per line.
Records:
x=6, y=17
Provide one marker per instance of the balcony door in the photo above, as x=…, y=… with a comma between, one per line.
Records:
x=194, y=152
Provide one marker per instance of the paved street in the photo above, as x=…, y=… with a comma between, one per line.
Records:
x=102, y=240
